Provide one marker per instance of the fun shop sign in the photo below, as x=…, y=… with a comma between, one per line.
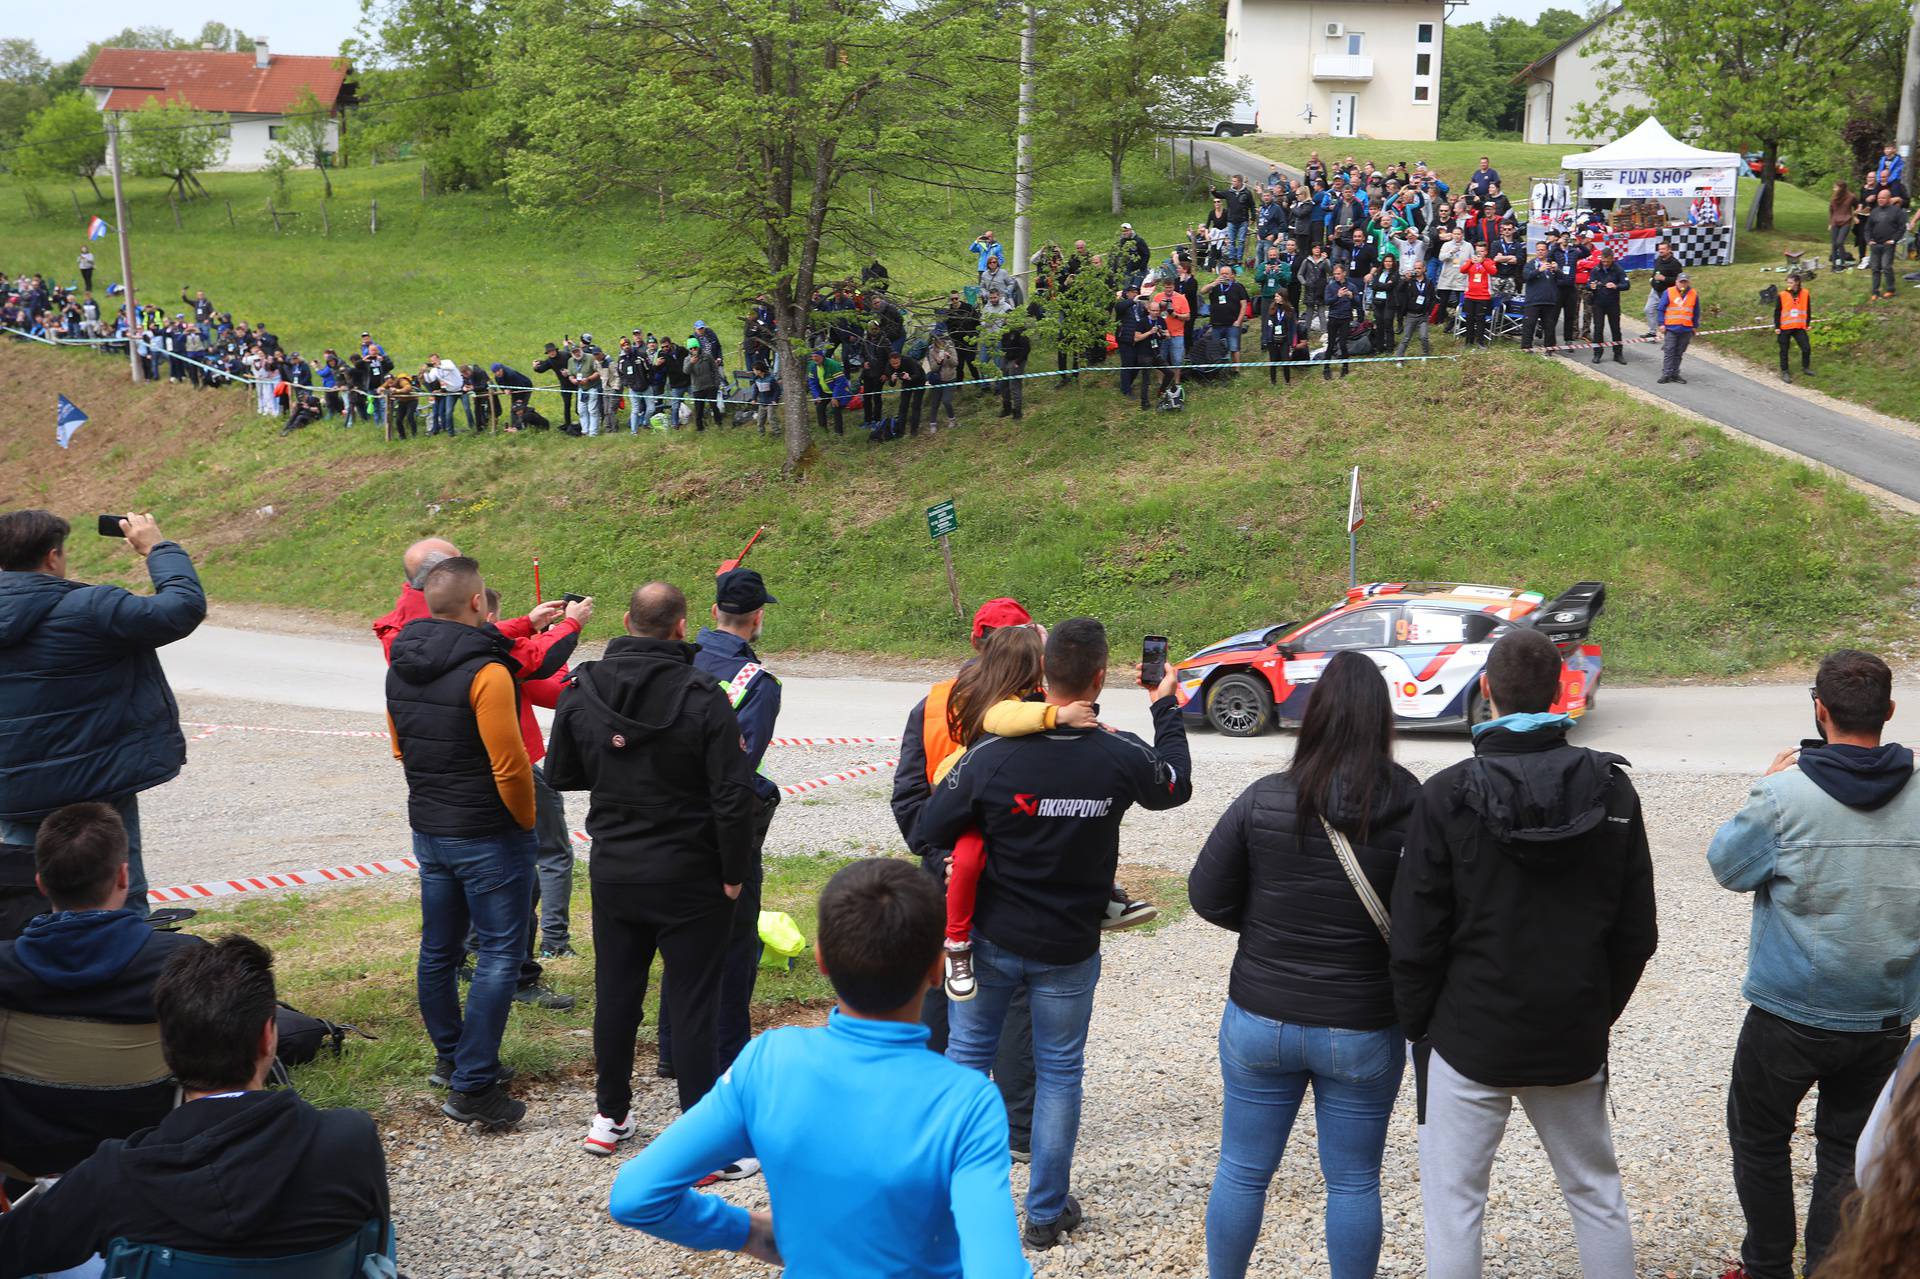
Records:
x=1655, y=183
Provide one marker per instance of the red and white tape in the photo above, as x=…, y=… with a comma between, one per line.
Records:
x=407, y=865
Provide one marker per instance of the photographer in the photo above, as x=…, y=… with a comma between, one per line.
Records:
x=555, y=362
x=85, y=710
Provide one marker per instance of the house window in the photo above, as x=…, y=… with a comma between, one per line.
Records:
x=1425, y=34
x=274, y=131
x=1423, y=64
x=1422, y=93
x=1356, y=42
x=1425, y=54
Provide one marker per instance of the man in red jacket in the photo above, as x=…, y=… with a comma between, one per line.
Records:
x=541, y=643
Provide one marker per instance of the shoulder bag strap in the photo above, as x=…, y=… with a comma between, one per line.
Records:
x=1343, y=849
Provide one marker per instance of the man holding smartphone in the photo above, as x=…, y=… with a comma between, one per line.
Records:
x=1050, y=806
x=85, y=710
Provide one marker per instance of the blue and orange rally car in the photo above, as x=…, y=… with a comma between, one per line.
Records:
x=1430, y=641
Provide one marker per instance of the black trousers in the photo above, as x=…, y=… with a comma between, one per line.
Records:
x=1787, y=338
x=1775, y=1065
x=1130, y=367
x=739, y=970
x=1336, y=346
x=1012, y=1068
x=1539, y=316
x=820, y=407
x=1603, y=318
x=873, y=403
x=1569, y=315
x=1476, y=309
x=911, y=398
x=687, y=925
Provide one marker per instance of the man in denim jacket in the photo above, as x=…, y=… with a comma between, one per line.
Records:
x=1829, y=844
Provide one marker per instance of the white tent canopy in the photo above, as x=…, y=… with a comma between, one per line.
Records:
x=1649, y=145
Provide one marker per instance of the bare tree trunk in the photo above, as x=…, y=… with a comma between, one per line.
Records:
x=1118, y=159
x=326, y=182
x=96, y=188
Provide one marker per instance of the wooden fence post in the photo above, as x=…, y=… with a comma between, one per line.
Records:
x=230, y=213
x=373, y=218
x=274, y=214
x=76, y=202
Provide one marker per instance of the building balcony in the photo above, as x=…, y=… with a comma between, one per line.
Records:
x=1343, y=66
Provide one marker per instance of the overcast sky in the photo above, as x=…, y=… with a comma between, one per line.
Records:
x=318, y=26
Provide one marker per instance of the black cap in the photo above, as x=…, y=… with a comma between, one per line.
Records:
x=740, y=590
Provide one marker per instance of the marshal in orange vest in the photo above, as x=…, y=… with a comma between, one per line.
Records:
x=1795, y=308
x=1681, y=308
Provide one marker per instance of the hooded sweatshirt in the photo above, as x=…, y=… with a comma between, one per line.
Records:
x=94, y=969
x=1523, y=913
x=656, y=743
x=1830, y=851
x=262, y=1174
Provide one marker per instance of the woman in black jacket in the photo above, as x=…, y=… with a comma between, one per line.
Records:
x=1309, y=1000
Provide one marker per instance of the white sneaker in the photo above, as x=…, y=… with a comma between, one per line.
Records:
x=739, y=1170
x=605, y=1134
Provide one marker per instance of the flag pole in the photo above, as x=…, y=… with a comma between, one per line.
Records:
x=536, y=581
x=1356, y=516
x=126, y=251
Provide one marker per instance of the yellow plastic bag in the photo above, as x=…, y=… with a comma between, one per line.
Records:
x=780, y=940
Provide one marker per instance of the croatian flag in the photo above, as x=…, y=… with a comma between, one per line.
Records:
x=1633, y=250
x=67, y=419
x=97, y=228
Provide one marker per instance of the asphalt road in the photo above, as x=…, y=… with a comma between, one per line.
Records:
x=1681, y=729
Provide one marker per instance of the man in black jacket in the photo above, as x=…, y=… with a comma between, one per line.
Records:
x=1049, y=807
x=555, y=361
x=672, y=819
x=1605, y=283
x=1523, y=916
x=237, y=1170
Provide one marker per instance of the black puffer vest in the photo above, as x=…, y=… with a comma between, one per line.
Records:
x=450, y=787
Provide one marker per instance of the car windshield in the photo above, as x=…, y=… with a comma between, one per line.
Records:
x=1366, y=628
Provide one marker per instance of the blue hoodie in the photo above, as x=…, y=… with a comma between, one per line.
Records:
x=1830, y=851
x=75, y=949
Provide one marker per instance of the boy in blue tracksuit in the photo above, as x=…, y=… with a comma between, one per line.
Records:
x=825, y=1110
x=726, y=652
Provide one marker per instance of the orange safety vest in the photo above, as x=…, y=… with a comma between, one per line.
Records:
x=1680, y=308
x=934, y=735
x=1794, y=309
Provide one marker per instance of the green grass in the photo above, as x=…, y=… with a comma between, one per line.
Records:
x=1720, y=559
x=348, y=955
x=467, y=276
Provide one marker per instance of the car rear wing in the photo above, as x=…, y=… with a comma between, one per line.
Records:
x=1568, y=618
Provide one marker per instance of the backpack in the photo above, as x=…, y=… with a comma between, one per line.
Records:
x=303, y=1036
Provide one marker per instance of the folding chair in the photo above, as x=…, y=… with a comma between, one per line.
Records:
x=365, y=1254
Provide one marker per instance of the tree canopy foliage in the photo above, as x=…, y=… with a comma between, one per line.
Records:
x=1479, y=95
x=172, y=140
x=64, y=139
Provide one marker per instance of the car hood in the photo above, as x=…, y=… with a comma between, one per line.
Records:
x=1238, y=643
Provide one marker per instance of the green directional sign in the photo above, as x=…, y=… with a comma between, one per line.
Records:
x=941, y=520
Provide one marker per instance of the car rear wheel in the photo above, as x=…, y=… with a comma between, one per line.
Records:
x=1240, y=705
x=1479, y=709
x=1221, y=130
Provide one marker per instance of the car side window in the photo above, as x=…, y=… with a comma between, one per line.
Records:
x=1434, y=626
x=1366, y=628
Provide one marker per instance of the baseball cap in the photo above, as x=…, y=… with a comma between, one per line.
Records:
x=586, y=337
x=995, y=614
x=699, y=324
x=498, y=367
x=1683, y=276
x=740, y=590
x=1126, y=226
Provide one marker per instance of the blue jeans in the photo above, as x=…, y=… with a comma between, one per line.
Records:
x=442, y=416
x=24, y=833
x=589, y=410
x=1061, y=996
x=485, y=881
x=1267, y=1066
x=1237, y=241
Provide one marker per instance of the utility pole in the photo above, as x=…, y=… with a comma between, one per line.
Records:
x=1909, y=119
x=126, y=252
x=1023, y=153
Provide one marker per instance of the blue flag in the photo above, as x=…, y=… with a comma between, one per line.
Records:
x=67, y=419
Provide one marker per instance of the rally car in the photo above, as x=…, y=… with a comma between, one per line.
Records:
x=1430, y=641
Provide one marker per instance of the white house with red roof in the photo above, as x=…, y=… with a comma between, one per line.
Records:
x=254, y=90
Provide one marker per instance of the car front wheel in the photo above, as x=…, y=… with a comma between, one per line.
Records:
x=1240, y=705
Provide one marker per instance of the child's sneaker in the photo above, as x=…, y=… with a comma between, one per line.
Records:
x=1124, y=912
x=960, y=984
x=605, y=1134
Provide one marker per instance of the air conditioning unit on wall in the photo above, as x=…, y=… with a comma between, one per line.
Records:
x=1335, y=30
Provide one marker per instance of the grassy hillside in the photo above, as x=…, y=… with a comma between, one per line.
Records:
x=1719, y=559
x=465, y=275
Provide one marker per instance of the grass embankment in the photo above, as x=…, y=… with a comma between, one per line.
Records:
x=1719, y=559
x=348, y=955
x=1863, y=351
x=465, y=275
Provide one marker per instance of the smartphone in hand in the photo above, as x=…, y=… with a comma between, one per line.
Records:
x=110, y=526
x=1153, y=660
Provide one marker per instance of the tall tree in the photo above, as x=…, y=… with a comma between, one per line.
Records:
x=221, y=36
x=1746, y=73
x=1105, y=79
x=762, y=121
x=64, y=139
x=172, y=140
x=303, y=138
x=1480, y=95
x=433, y=90
x=24, y=89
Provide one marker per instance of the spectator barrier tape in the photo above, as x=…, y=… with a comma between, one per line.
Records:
x=178, y=893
